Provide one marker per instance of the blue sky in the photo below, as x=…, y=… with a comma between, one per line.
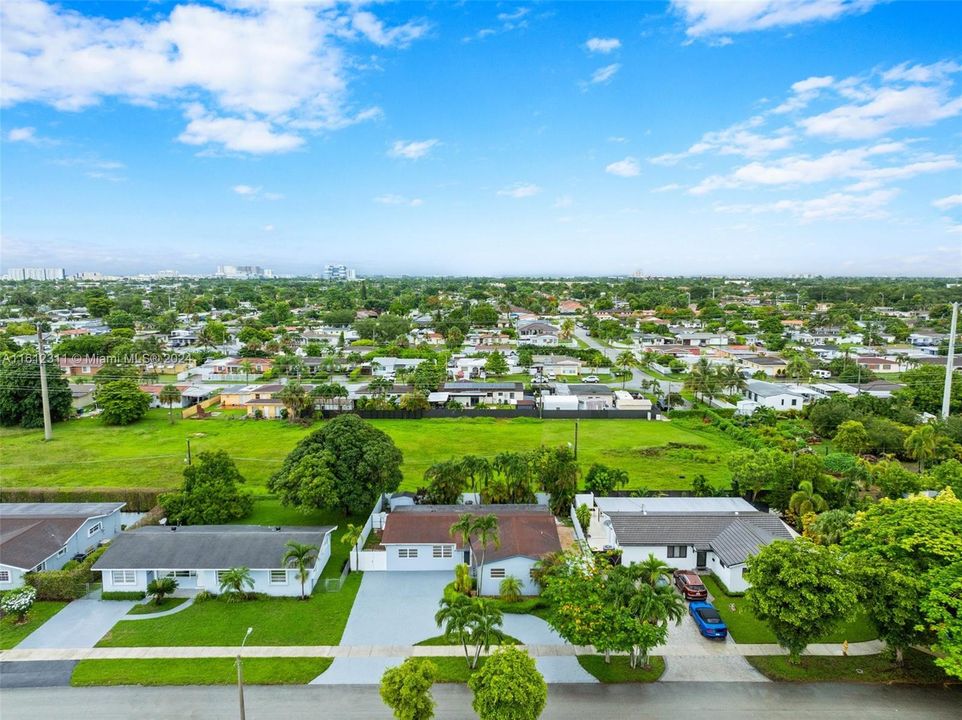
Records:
x=797, y=136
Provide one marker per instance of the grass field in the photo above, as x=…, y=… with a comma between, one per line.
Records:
x=918, y=669
x=620, y=671
x=319, y=620
x=151, y=453
x=198, y=671
x=150, y=607
x=11, y=633
x=744, y=627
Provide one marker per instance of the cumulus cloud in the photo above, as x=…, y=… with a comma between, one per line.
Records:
x=624, y=168
x=950, y=201
x=603, y=76
x=392, y=199
x=738, y=139
x=267, y=71
x=23, y=134
x=602, y=45
x=835, y=206
x=667, y=188
x=255, y=193
x=412, y=149
x=708, y=18
x=520, y=190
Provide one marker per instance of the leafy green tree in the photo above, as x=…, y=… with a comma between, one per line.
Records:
x=209, y=494
x=415, y=401
x=160, y=588
x=583, y=513
x=943, y=616
x=496, y=364
x=759, y=469
x=508, y=687
x=921, y=444
x=923, y=389
x=446, y=482
x=894, y=480
x=946, y=474
x=526, y=358
x=168, y=395
x=111, y=371
x=830, y=526
x=429, y=376
x=20, y=398
x=296, y=399
x=234, y=581
x=798, y=589
x=302, y=557
x=602, y=480
x=122, y=402
x=454, y=339
x=406, y=689
x=352, y=463
x=557, y=471
x=119, y=319
x=852, y=437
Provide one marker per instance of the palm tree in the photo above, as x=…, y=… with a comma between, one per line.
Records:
x=464, y=528
x=295, y=399
x=485, y=527
x=476, y=468
x=798, y=368
x=731, y=378
x=567, y=329
x=168, y=395
x=351, y=537
x=510, y=588
x=649, y=570
x=485, y=626
x=625, y=360
x=805, y=500
x=247, y=367
x=161, y=587
x=921, y=444
x=233, y=582
x=455, y=616
x=301, y=557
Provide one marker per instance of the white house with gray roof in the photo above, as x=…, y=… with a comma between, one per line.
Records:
x=775, y=395
x=198, y=555
x=715, y=535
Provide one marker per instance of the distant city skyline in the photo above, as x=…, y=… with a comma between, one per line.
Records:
x=814, y=137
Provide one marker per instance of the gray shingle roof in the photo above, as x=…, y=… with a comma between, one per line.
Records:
x=32, y=532
x=205, y=547
x=732, y=536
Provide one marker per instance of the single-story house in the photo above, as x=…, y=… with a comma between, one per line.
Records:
x=418, y=537
x=470, y=394
x=80, y=366
x=82, y=395
x=768, y=364
x=702, y=534
x=556, y=365
x=570, y=307
x=198, y=555
x=381, y=366
x=624, y=400
x=537, y=333
x=591, y=396
x=44, y=536
x=773, y=395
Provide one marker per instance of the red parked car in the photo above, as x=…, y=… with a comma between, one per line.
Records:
x=690, y=585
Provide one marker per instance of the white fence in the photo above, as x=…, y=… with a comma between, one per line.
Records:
x=365, y=560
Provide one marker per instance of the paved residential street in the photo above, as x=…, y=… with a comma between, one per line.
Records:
x=659, y=701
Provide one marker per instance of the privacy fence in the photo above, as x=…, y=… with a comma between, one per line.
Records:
x=611, y=414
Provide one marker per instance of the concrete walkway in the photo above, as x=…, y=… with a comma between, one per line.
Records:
x=80, y=624
x=721, y=668
x=162, y=613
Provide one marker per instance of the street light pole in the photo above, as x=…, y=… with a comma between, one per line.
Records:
x=240, y=675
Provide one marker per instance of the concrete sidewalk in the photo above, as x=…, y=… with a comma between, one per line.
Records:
x=872, y=647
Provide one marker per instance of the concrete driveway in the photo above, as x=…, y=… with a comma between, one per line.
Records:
x=395, y=608
x=689, y=657
x=79, y=625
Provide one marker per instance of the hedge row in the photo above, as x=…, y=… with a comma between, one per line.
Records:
x=136, y=499
x=67, y=585
x=122, y=595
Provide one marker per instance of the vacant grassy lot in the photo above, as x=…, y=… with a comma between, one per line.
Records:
x=919, y=669
x=319, y=620
x=11, y=633
x=620, y=671
x=744, y=627
x=151, y=453
x=198, y=671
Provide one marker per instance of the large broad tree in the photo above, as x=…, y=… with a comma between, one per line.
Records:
x=122, y=402
x=20, y=398
x=346, y=464
x=508, y=687
x=943, y=616
x=798, y=588
x=557, y=472
x=210, y=494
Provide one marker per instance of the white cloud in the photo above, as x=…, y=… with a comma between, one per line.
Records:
x=412, y=149
x=255, y=193
x=392, y=199
x=624, y=168
x=246, y=190
x=268, y=228
x=604, y=75
x=602, y=45
x=735, y=140
x=617, y=139
x=268, y=71
x=520, y=190
x=23, y=134
x=563, y=201
x=667, y=188
x=835, y=206
x=706, y=18
x=803, y=92
x=947, y=202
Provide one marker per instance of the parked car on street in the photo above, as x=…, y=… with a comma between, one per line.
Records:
x=709, y=622
x=690, y=585
x=590, y=379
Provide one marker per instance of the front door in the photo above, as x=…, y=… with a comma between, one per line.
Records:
x=467, y=557
x=701, y=558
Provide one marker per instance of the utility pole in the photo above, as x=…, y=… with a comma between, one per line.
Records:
x=188, y=451
x=576, y=438
x=947, y=390
x=44, y=392
x=240, y=675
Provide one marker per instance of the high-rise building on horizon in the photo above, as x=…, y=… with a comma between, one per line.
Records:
x=243, y=272
x=339, y=273
x=35, y=273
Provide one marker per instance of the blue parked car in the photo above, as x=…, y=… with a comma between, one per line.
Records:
x=708, y=620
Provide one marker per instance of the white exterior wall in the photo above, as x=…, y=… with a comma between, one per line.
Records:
x=16, y=577
x=638, y=553
x=519, y=567
x=425, y=559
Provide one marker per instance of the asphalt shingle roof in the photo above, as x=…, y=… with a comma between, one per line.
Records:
x=32, y=532
x=205, y=547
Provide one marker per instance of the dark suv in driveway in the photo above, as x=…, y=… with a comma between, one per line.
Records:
x=690, y=585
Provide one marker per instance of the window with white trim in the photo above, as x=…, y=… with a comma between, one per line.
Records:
x=181, y=574
x=123, y=577
x=441, y=551
x=497, y=572
x=677, y=551
x=4, y=576
x=407, y=553
x=221, y=574
x=278, y=577
x=95, y=528
x=62, y=551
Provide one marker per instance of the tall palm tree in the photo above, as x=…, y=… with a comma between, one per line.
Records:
x=921, y=444
x=247, y=367
x=485, y=626
x=476, y=468
x=168, y=395
x=350, y=538
x=731, y=378
x=805, y=500
x=567, y=329
x=233, y=582
x=798, y=368
x=625, y=360
x=456, y=616
x=301, y=557
x=649, y=570
x=485, y=527
x=295, y=399
x=464, y=528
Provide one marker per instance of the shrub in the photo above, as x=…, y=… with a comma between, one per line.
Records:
x=136, y=499
x=129, y=595
x=18, y=602
x=510, y=589
x=66, y=584
x=204, y=596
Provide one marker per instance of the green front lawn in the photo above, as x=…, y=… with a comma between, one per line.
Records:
x=454, y=669
x=919, y=668
x=150, y=453
x=745, y=627
x=619, y=670
x=442, y=640
x=198, y=671
x=319, y=620
x=12, y=633
x=151, y=607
